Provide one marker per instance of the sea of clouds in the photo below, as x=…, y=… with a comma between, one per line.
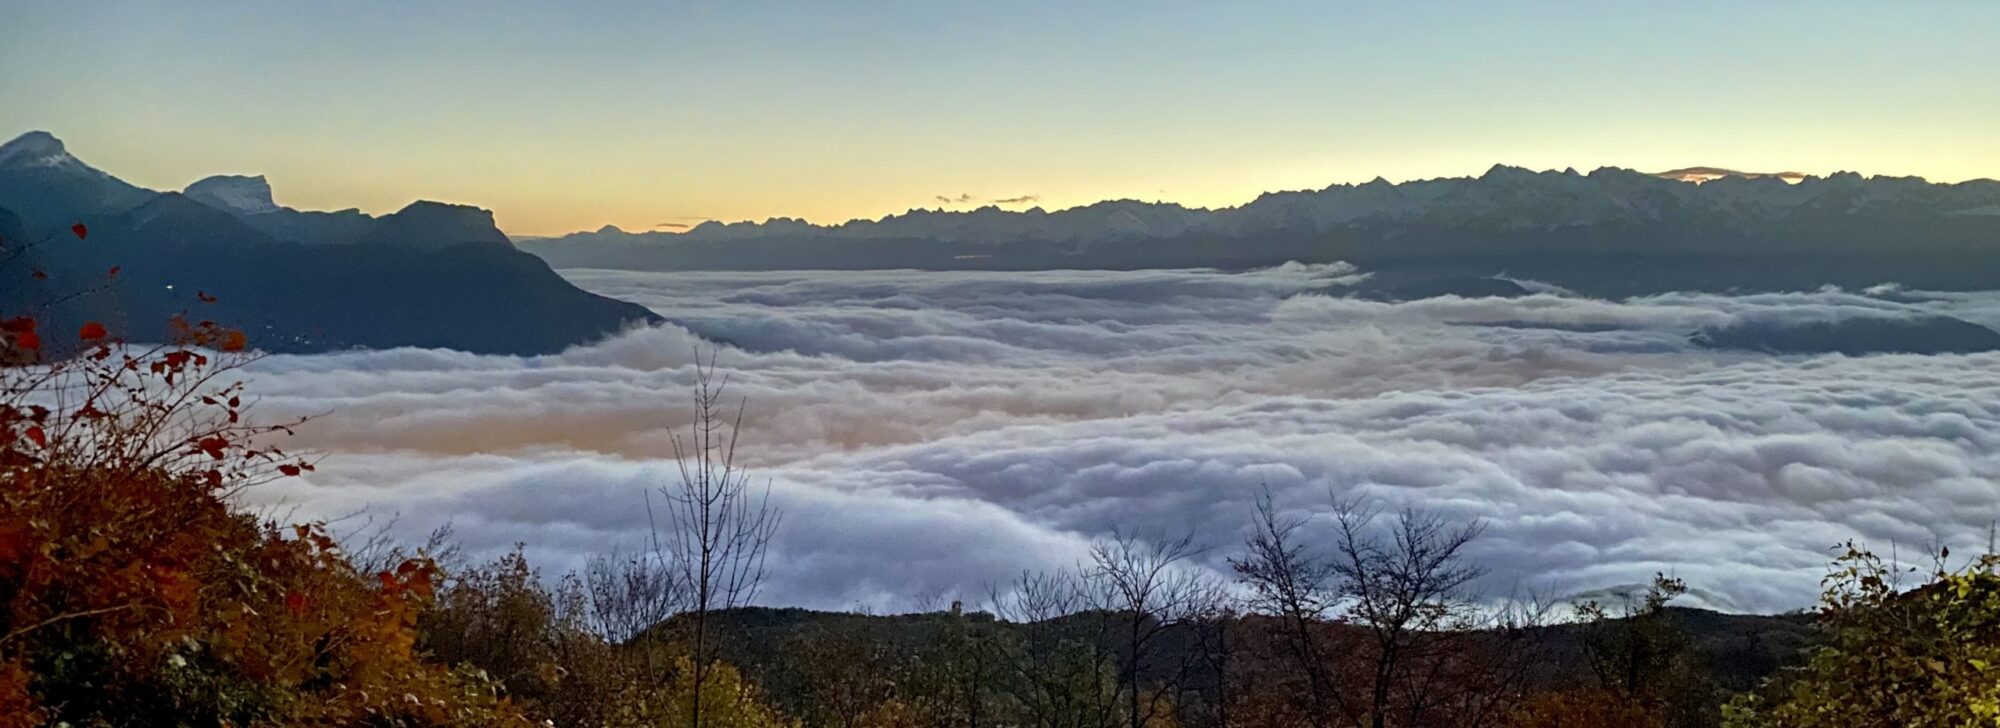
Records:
x=929, y=434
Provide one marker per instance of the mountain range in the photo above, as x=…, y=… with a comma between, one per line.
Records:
x=432, y=274
x=1609, y=232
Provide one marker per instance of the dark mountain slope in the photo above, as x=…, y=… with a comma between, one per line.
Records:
x=432, y=275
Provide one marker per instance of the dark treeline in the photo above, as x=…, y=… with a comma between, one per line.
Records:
x=1380, y=631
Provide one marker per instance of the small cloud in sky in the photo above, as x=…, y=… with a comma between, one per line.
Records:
x=968, y=199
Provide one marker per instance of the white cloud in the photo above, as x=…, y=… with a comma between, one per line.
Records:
x=936, y=431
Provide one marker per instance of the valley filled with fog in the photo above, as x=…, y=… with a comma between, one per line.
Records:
x=929, y=433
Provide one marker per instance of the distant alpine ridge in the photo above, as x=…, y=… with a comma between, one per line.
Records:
x=1610, y=231
x=431, y=274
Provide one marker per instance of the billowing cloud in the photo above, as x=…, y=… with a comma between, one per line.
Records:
x=932, y=432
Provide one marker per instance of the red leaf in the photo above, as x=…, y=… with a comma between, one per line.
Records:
x=213, y=446
x=28, y=340
x=81, y=231
x=92, y=331
x=113, y=273
x=35, y=434
x=13, y=544
x=204, y=297
x=295, y=602
x=289, y=470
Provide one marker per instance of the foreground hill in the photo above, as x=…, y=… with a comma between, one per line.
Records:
x=432, y=274
x=783, y=649
x=1609, y=232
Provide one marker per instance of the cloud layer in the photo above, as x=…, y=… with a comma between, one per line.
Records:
x=933, y=432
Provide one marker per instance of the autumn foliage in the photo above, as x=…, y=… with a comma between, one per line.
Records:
x=132, y=593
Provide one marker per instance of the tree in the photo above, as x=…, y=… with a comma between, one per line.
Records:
x=1299, y=588
x=723, y=698
x=1151, y=588
x=1408, y=631
x=1927, y=656
x=719, y=527
x=129, y=587
x=1060, y=670
x=1641, y=654
x=1408, y=590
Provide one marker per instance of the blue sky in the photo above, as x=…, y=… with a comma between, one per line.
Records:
x=569, y=116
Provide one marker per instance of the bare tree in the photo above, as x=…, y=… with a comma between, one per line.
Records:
x=1152, y=589
x=1425, y=645
x=1299, y=588
x=1061, y=674
x=1408, y=590
x=627, y=594
x=719, y=527
x=1215, y=641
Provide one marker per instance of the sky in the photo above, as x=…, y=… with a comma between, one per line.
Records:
x=569, y=116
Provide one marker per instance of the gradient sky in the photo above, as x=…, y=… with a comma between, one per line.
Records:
x=562, y=118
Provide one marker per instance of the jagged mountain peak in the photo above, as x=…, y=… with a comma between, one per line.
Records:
x=237, y=193
x=1508, y=171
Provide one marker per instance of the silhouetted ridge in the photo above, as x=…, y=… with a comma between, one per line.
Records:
x=1608, y=232
x=430, y=275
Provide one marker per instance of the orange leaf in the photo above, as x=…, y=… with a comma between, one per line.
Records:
x=92, y=331
x=234, y=340
x=81, y=231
